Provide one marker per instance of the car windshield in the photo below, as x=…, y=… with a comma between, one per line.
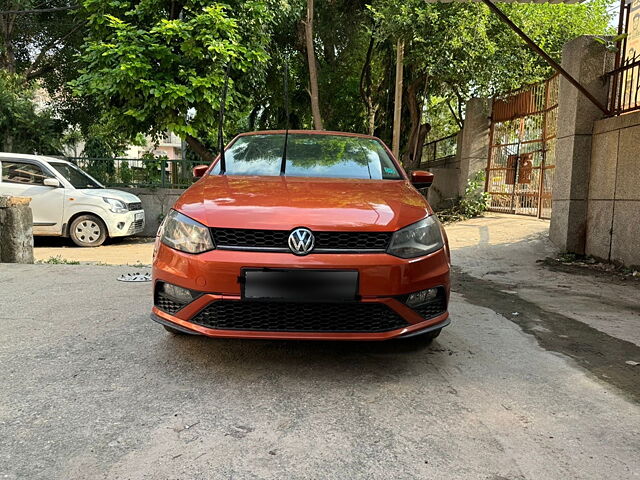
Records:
x=75, y=176
x=309, y=155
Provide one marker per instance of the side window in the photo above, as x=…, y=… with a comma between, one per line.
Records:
x=25, y=173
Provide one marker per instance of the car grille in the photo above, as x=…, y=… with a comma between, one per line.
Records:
x=167, y=304
x=276, y=240
x=299, y=317
x=134, y=206
x=136, y=226
x=435, y=307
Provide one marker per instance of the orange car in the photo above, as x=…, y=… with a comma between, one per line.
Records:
x=303, y=235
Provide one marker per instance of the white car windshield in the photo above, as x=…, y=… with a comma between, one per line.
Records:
x=75, y=176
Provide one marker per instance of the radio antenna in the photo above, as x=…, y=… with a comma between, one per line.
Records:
x=223, y=100
x=283, y=165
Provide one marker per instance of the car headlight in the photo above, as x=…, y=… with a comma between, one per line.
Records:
x=115, y=205
x=418, y=239
x=185, y=234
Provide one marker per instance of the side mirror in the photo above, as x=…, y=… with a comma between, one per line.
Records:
x=421, y=178
x=200, y=170
x=51, y=182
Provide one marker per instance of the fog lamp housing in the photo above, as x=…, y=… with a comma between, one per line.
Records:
x=175, y=292
x=423, y=296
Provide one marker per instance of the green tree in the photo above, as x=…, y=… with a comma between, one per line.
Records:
x=23, y=128
x=152, y=62
x=459, y=50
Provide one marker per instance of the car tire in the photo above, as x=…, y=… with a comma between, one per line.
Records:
x=88, y=231
x=173, y=331
x=431, y=336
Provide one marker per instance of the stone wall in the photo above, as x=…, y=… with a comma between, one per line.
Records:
x=596, y=197
x=473, y=146
x=613, y=207
x=588, y=61
x=156, y=203
x=444, y=192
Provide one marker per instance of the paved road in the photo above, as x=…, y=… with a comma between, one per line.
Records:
x=90, y=388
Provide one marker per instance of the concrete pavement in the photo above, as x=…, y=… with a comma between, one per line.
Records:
x=519, y=386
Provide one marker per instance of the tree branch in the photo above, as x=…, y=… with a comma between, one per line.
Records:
x=198, y=147
x=33, y=71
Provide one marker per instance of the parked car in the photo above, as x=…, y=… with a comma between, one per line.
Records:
x=332, y=243
x=68, y=202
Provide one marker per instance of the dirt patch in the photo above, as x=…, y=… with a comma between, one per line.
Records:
x=618, y=275
x=604, y=356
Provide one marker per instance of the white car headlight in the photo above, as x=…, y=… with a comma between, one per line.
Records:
x=185, y=234
x=418, y=239
x=115, y=205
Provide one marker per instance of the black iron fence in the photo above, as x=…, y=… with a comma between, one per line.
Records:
x=624, y=87
x=138, y=172
x=439, y=152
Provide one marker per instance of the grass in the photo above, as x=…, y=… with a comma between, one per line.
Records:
x=58, y=260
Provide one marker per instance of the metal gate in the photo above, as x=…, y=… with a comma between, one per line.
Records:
x=522, y=150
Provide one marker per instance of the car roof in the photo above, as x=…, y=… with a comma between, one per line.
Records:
x=308, y=132
x=24, y=156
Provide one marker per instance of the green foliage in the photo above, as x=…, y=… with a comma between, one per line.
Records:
x=152, y=166
x=150, y=62
x=24, y=128
x=137, y=68
x=456, y=51
x=475, y=200
x=611, y=43
x=472, y=204
x=126, y=175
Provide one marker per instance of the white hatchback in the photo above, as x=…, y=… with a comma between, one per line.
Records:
x=68, y=202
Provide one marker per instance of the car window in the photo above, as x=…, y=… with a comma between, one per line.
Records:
x=309, y=155
x=75, y=176
x=19, y=172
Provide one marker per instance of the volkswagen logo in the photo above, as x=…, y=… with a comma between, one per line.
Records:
x=301, y=241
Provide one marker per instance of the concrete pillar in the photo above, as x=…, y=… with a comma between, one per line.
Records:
x=587, y=60
x=473, y=147
x=16, y=230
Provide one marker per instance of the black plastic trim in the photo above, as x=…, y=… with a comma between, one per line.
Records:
x=162, y=321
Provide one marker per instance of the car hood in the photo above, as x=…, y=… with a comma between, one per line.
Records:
x=283, y=203
x=109, y=193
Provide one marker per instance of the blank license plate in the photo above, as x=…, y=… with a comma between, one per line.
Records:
x=301, y=285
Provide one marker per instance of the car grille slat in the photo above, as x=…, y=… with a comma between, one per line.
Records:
x=136, y=226
x=167, y=304
x=276, y=240
x=134, y=206
x=435, y=307
x=299, y=317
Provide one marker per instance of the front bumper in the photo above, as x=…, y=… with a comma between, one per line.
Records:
x=383, y=281
x=125, y=224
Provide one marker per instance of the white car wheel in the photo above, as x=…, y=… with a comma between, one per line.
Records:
x=88, y=231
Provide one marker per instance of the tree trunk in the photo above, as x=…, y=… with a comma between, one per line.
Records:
x=397, y=104
x=8, y=142
x=366, y=89
x=313, y=73
x=8, y=59
x=416, y=159
x=416, y=127
x=198, y=147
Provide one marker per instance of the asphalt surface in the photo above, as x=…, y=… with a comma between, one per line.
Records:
x=92, y=389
